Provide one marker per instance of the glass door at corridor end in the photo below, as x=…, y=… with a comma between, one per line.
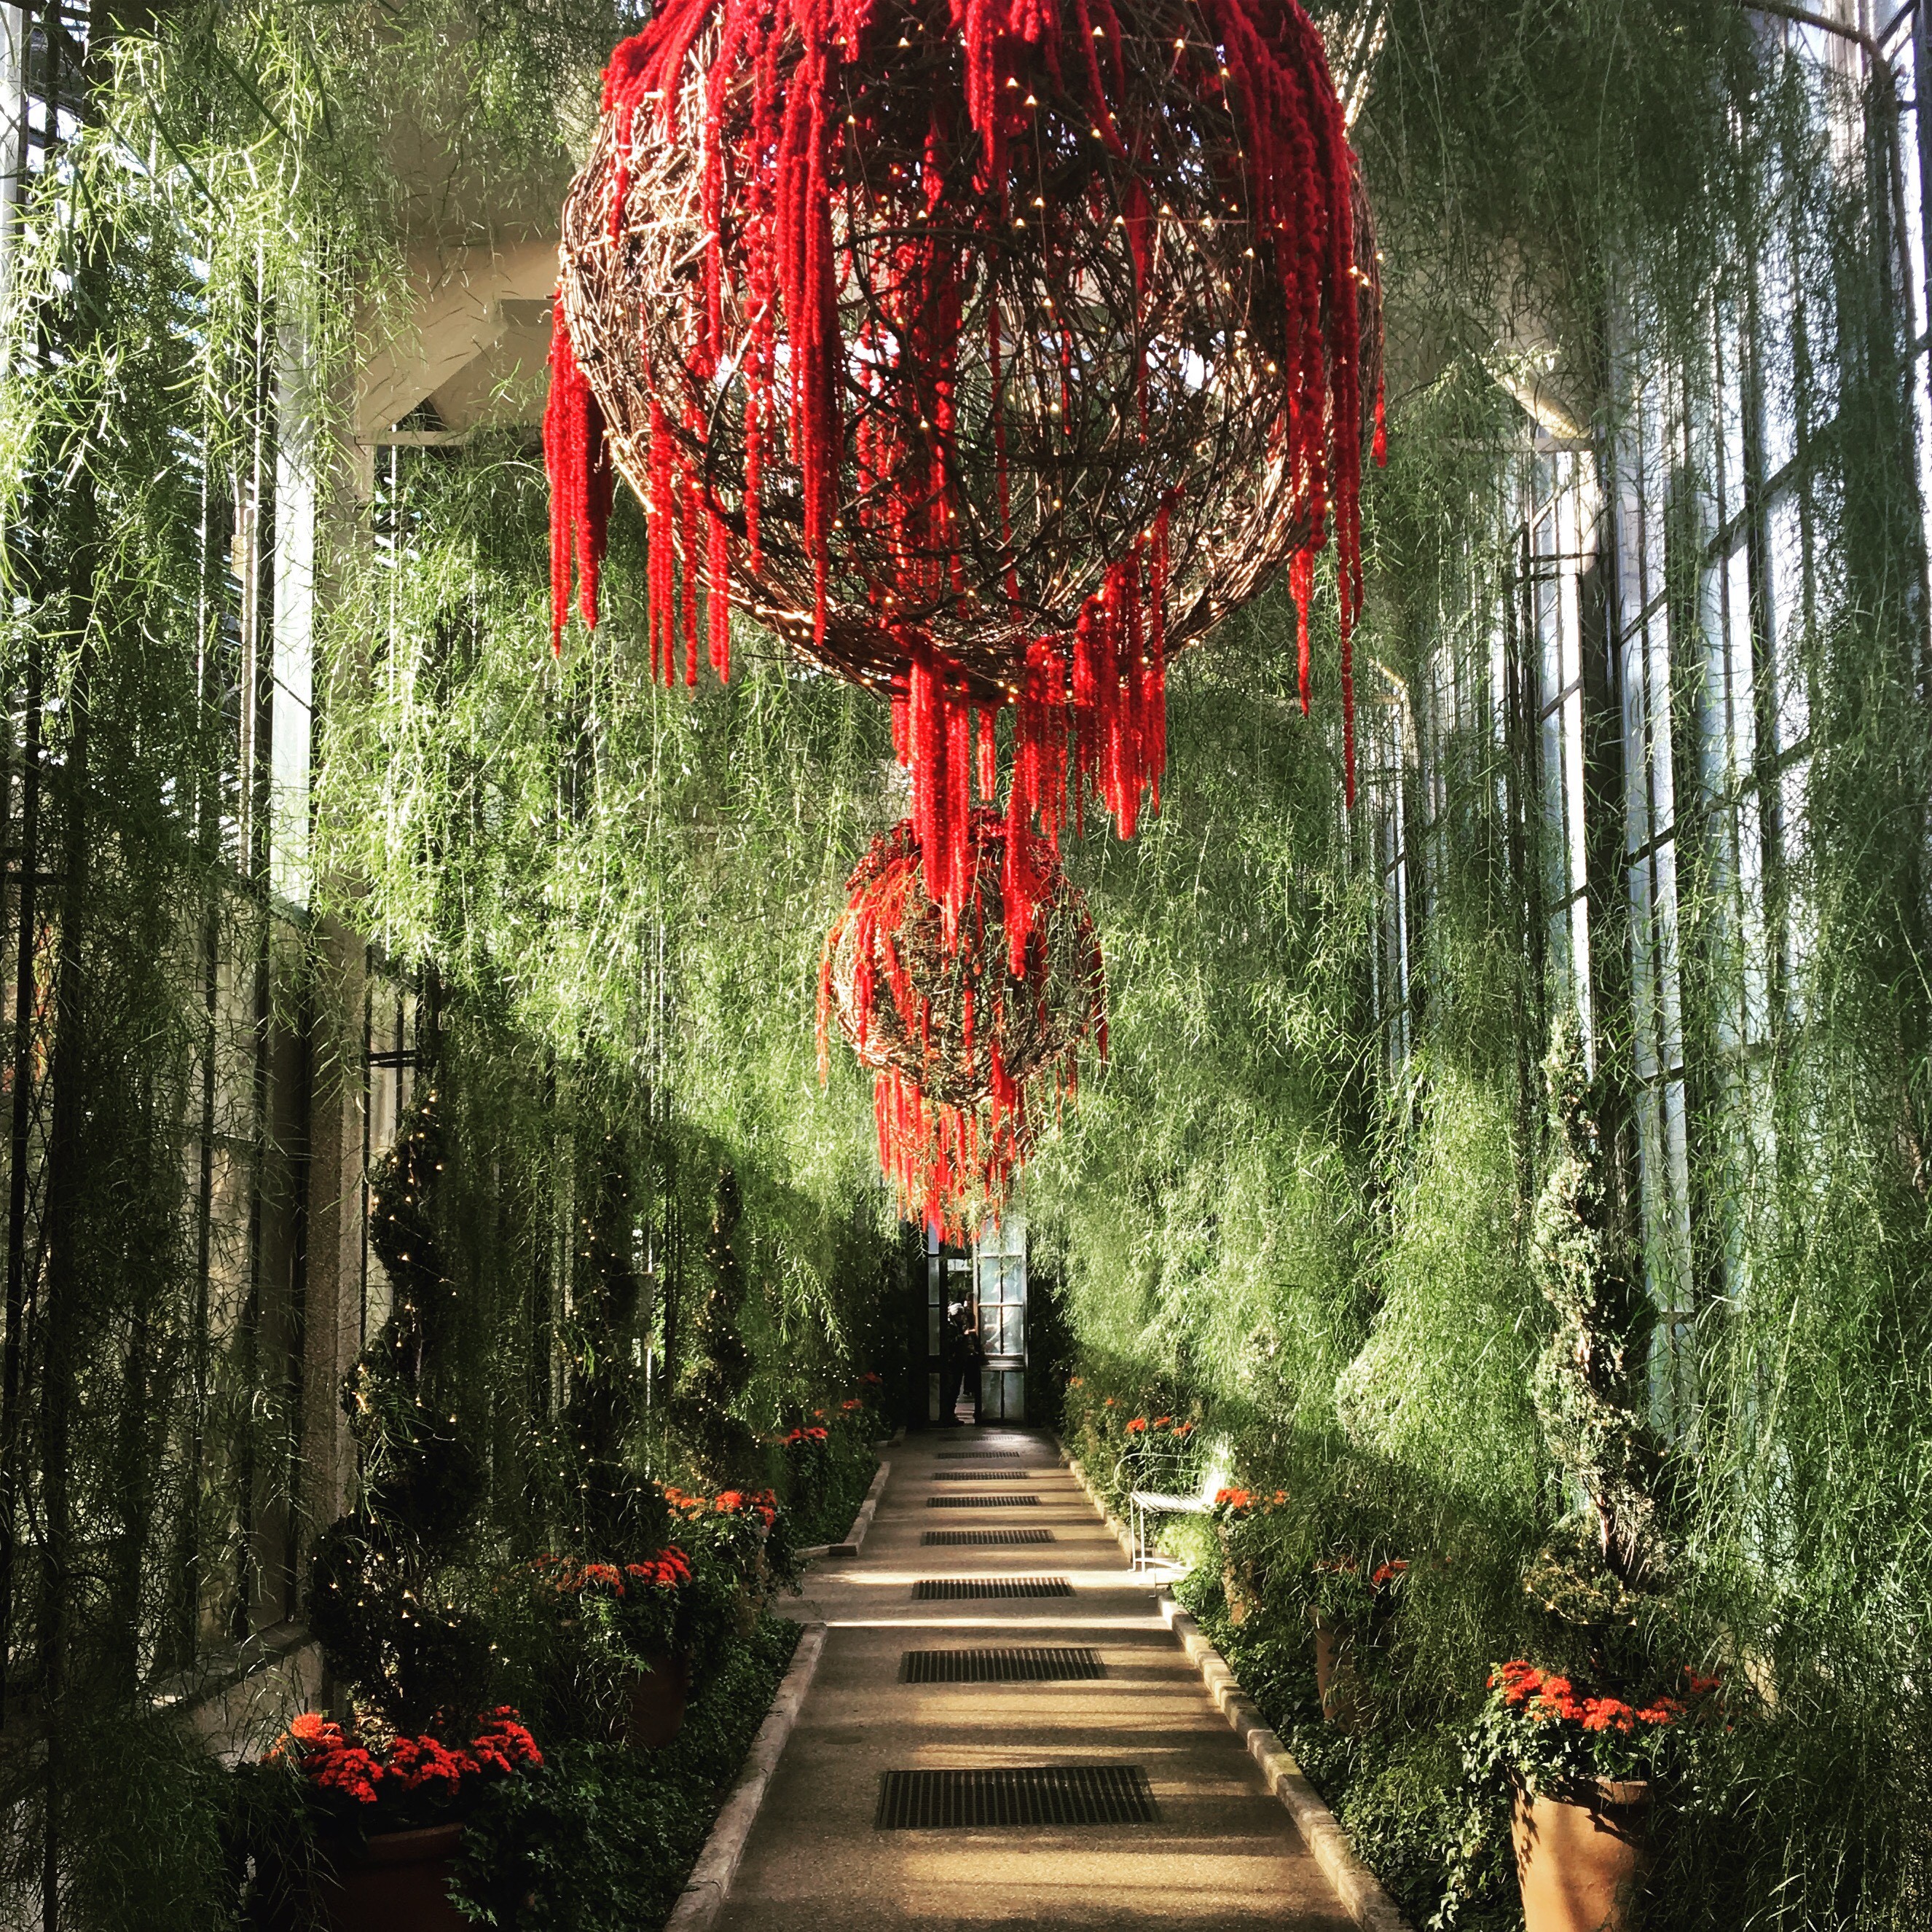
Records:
x=1000, y=1287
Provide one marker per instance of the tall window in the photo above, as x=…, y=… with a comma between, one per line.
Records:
x=1559, y=545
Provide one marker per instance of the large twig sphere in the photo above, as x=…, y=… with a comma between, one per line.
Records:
x=990, y=352
x=968, y=1040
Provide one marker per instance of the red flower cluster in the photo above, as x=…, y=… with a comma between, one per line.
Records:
x=1542, y=1695
x=668, y=1570
x=728, y=1502
x=799, y=1437
x=333, y=1760
x=856, y=1402
x=1388, y=1572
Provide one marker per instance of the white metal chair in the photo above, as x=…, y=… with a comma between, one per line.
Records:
x=1160, y=1480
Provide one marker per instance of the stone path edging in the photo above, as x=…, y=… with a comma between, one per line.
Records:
x=856, y=1536
x=710, y=1880
x=1358, y=1888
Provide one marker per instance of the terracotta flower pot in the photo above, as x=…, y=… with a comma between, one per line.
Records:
x=654, y=1707
x=1336, y=1682
x=745, y=1604
x=1235, y=1586
x=399, y=1882
x=1578, y=1863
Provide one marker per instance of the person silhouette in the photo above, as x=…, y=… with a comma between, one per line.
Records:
x=952, y=1364
x=972, y=1352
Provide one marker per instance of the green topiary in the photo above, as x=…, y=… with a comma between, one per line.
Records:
x=616, y=1515
x=722, y=1447
x=379, y=1598
x=1587, y=1384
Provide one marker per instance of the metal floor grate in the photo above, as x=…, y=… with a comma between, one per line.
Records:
x=946, y=1589
x=1045, y=1794
x=933, y=1537
x=982, y=1475
x=981, y=1456
x=1045, y=1664
x=982, y=1502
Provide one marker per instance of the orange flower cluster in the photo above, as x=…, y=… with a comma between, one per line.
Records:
x=668, y=1570
x=1542, y=1696
x=727, y=1502
x=800, y=1438
x=335, y=1761
x=852, y=1405
x=1387, y=1573
x=1138, y=1426
x=1240, y=1502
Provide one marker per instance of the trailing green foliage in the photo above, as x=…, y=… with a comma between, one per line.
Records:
x=1299, y=1205
x=602, y=1837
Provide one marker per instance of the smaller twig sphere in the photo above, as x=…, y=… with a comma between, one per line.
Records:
x=969, y=1040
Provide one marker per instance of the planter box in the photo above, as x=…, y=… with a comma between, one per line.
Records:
x=1336, y=1682
x=399, y=1882
x=1580, y=1862
x=654, y=1708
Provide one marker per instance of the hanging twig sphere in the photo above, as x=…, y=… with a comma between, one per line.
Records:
x=969, y=1039
x=990, y=354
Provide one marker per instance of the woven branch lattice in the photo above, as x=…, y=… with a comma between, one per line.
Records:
x=968, y=1039
x=990, y=356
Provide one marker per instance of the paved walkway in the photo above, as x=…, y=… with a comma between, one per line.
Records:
x=1222, y=1856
